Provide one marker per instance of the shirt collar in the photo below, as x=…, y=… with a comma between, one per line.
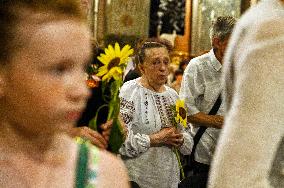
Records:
x=214, y=61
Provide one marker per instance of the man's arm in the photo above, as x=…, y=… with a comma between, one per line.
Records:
x=202, y=119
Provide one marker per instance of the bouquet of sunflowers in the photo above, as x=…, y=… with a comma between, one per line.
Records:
x=114, y=62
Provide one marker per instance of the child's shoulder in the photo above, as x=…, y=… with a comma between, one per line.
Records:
x=110, y=168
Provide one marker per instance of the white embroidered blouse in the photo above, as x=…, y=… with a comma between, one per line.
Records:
x=146, y=112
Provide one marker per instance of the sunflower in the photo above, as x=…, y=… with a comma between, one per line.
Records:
x=181, y=113
x=114, y=60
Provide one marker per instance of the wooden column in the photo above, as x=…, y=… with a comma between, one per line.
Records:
x=182, y=43
x=101, y=22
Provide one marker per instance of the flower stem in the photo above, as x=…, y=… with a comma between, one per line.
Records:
x=179, y=163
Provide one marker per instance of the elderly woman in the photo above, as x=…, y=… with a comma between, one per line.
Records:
x=146, y=109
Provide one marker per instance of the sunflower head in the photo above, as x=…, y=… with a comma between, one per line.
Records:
x=181, y=114
x=114, y=61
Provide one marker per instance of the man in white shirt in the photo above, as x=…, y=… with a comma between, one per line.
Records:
x=250, y=151
x=200, y=88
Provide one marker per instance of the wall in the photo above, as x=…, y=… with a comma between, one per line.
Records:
x=127, y=17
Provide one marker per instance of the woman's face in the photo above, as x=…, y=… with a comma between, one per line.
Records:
x=44, y=84
x=156, y=65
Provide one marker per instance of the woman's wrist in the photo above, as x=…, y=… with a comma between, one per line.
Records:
x=155, y=140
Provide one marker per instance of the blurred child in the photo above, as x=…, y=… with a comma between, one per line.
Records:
x=45, y=48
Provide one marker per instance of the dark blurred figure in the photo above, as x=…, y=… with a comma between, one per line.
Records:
x=95, y=100
x=183, y=64
x=177, y=80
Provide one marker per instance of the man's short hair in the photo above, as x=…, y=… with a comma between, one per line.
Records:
x=222, y=27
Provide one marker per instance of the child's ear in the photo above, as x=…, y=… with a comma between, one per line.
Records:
x=141, y=68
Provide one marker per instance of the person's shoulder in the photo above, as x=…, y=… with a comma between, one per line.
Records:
x=129, y=84
x=128, y=88
x=263, y=31
x=110, y=161
x=197, y=63
x=269, y=10
x=171, y=90
x=200, y=59
x=112, y=170
x=269, y=30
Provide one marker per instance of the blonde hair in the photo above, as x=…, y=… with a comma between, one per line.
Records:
x=11, y=12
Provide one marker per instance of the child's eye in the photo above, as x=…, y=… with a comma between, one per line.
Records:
x=60, y=69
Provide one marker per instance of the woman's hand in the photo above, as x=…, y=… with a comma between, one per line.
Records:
x=93, y=136
x=106, y=129
x=169, y=136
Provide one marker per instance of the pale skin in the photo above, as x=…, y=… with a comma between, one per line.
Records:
x=154, y=75
x=202, y=119
x=42, y=91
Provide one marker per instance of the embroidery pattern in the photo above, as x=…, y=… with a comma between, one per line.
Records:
x=127, y=108
x=166, y=112
x=169, y=111
x=146, y=108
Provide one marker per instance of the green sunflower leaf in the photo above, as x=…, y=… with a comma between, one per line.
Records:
x=116, y=138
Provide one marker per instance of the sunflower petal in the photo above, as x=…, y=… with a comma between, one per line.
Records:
x=117, y=69
x=103, y=59
x=111, y=51
x=117, y=76
x=182, y=103
x=106, y=77
x=123, y=62
x=127, y=53
x=177, y=105
x=177, y=119
x=102, y=71
x=125, y=49
x=107, y=52
x=117, y=50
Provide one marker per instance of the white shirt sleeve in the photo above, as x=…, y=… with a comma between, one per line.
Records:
x=191, y=87
x=135, y=144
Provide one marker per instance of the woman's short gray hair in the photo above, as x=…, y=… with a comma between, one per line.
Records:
x=222, y=27
x=151, y=43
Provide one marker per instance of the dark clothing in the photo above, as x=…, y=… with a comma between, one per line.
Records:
x=95, y=101
x=93, y=104
x=131, y=75
x=199, y=177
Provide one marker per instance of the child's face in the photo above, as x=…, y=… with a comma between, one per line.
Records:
x=45, y=89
